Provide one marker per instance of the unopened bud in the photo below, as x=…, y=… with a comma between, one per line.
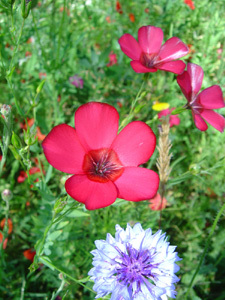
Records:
x=16, y=141
x=7, y=195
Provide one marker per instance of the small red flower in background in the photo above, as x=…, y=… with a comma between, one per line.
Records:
x=174, y=119
x=42, y=75
x=33, y=170
x=10, y=225
x=132, y=17
x=30, y=123
x=108, y=19
x=156, y=203
x=105, y=164
x=146, y=10
x=112, y=59
x=190, y=3
x=29, y=254
x=10, y=228
x=202, y=104
x=118, y=7
x=149, y=56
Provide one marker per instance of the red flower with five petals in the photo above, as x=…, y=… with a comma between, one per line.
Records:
x=149, y=56
x=202, y=104
x=105, y=164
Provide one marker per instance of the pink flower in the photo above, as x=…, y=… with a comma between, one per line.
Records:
x=112, y=59
x=77, y=81
x=174, y=119
x=156, y=203
x=202, y=104
x=105, y=164
x=148, y=55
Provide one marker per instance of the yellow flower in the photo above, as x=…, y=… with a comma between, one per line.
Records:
x=158, y=106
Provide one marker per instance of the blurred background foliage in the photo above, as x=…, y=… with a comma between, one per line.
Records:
x=61, y=39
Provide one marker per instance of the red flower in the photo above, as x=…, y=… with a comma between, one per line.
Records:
x=10, y=228
x=10, y=225
x=29, y=254
x=132, y=17
x=174, y=119
x=148, y=55
x=112, y=59
x=190, y=3
x=202, y=104
x=156, y=203
x=118, y=7
x=30, y=123
x=105, y=164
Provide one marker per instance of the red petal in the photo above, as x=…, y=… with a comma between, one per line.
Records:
x=96, y=125
x=137, y=184
x=176, y=67
x=199, y=122
x=150, y=39
x=139, y=68
x=135, y=144
x=63, y=150
x=196, y=75
x=130, y=46
x=214, y=119
x=93, y=194
x=173, y=48
x=174, y=120
x=184, y=82
x=212, y=97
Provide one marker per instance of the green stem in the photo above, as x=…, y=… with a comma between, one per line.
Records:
x=17, y=45
x=206, y=248
x=42, y=259
x=130, y=116
x=6, y=142
x=60, y=33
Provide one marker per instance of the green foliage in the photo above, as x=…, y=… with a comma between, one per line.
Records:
x=41, y=48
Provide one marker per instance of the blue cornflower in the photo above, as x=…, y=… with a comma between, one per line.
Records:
x=135, y=265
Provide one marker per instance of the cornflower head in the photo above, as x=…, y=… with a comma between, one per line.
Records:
x=135, y=265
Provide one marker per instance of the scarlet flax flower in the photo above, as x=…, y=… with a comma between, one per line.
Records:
x=157, y=203
x=203, y=103
x=190, y=3
x=105, y=164
x=174, y=120
x=118, y=7
x=149, y=56
x=10, y=228
x=136, y=264
x=132, y=17
x=112, y=59
x=29, y=254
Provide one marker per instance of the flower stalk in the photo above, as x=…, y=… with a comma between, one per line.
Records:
x=163, y=161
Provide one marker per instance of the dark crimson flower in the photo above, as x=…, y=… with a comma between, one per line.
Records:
x=149, y=56
x=112, y=59
x=202, y=104
x=118, y=7
x=174, y=120
x=190, y=3
x=105, y=164
x=29, y=254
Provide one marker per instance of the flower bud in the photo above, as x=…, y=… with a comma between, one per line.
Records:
x=5, y=110
x=16, y=141
x=7, y=195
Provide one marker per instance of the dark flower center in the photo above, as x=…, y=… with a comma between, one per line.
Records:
x=148, y=60
x=102, y=165
x=136, y=265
